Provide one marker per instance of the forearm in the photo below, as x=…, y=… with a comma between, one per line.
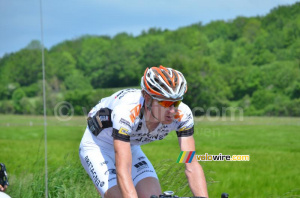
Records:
x=123, y=167
x=126, y=185
x=193, y=170
x=196, y=179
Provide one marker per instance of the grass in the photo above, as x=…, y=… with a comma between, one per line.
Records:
x=272, y=143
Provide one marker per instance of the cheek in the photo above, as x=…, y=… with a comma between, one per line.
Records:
x=156, y=107
x=159, y=111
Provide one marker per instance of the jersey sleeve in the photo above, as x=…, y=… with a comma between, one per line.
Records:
x=94, y=110
x=185, y=124
x=122, y=127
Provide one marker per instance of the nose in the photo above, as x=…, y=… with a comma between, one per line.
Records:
x=172, y=109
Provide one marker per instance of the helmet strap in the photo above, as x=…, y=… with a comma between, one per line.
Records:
x=153, y=115
x=149, y=107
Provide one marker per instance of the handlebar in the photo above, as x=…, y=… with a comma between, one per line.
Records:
x=170, y=194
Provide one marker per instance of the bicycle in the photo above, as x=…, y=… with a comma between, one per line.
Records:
x=170, y=194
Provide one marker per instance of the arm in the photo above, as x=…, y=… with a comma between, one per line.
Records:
x=193, y=170
x=3, y=188
x=123, y=167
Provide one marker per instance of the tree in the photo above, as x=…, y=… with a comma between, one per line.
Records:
x=77, y=81
x=17, y=96
x=34, y=45
x=24, y=67
x=60, y=65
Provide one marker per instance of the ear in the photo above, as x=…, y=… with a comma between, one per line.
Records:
x=145, y=95
x=147, y=98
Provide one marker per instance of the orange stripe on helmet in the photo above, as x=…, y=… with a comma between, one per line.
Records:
x=162, y=67
x=148, y=87
x=161, y=74
x=171, y=78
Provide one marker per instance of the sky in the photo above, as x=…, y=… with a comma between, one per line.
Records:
x=20, y=20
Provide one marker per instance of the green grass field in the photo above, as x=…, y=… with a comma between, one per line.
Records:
x=272, y=143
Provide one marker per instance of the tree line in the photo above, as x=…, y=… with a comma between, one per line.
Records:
x=248, y=62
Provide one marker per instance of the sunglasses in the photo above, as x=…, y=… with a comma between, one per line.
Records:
x=169, y=103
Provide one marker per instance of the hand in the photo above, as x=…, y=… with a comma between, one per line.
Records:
x=3, y=188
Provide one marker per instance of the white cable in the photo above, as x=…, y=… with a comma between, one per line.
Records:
x=44, y=100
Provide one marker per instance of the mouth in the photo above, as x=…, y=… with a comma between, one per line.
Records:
x=169, y=117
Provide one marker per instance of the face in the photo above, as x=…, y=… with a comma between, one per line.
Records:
x=164, y=111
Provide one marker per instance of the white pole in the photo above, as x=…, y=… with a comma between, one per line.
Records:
x=44, y=100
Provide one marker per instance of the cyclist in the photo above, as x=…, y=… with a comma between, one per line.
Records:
x=110, y=148
x=3, y=178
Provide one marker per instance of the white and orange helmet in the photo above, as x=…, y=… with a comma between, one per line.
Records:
x=164, y=83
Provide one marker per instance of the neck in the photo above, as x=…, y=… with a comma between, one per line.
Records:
x=149, y=116
x=151, y=122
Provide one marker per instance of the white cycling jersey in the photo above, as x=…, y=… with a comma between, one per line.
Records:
x=125, y=121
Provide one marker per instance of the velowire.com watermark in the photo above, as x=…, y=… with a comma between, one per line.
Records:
x=187, y=157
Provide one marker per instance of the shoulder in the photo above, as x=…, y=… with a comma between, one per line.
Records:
x=184, y=112
x=126, y=113
x=127, y=95
x=123, y=119
x=184, y=107
x=184, y=121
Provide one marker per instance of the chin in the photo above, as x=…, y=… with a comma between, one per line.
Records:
x=167, y=122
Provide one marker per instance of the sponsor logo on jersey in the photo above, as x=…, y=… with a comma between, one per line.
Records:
x=186, y=128
x=160, y=137
x=102, y=163
x=139, y=126
x=189, y=116
x=183, y=123
x=112, y=179
x=178, y=116
x=142, y=157
x=163, y=129
x=183, y=129
x=135, y=112
x=104, y=118
x=93, y=173
x=123, y=121
x=141, y=165
x=145, y=171
x=119, y=94
x=110, y=171
x=123, y=131
x=124, y=92
x=146, y=137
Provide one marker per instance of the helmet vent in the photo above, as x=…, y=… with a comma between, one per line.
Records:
x=154, y=88
x=176, y=78
x=181, y=86
x=164, y=87
x=167, y=77
x=156, y=80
